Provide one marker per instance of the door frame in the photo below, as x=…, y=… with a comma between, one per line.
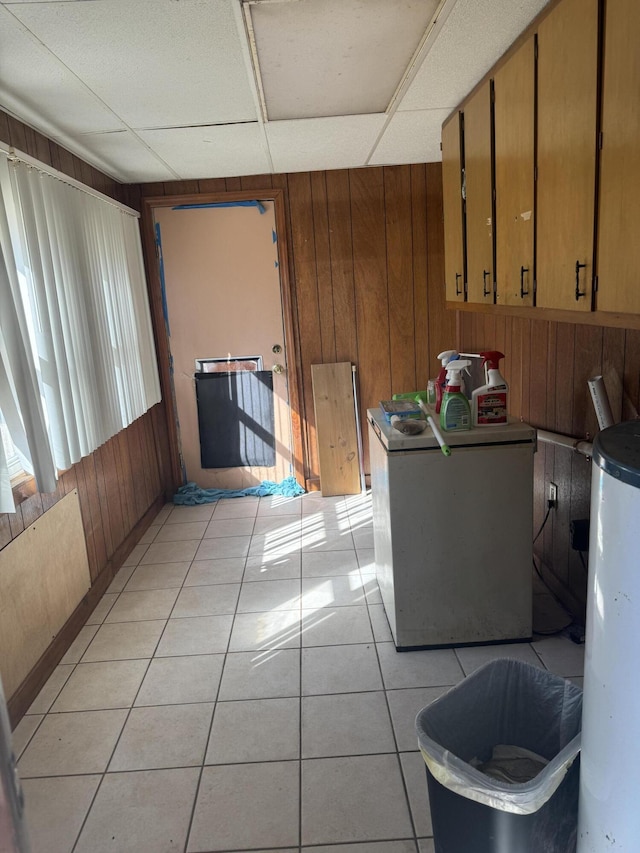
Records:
x=294, y=383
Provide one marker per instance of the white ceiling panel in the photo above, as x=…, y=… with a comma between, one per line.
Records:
x=339, y=142
x=124, y=156
x=38, y=88
x=208, y=152
x=335, y=57
x=156, y=63
x=473, y=38
x=411, y=137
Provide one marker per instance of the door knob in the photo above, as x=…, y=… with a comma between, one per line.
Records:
x=277, y=368
x=276, y=348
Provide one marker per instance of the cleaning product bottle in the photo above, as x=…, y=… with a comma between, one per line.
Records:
x=489, y=401
x=436, y=386
x=455, y=413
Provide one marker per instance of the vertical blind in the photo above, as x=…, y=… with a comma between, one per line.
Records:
x=77, y=358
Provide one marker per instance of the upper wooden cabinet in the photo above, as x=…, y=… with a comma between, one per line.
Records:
x=478, y=170
x=514, y=109
x=619, y=196
x=453, y=209
x=566, y=155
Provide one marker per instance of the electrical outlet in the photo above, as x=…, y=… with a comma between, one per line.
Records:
x=553, y=494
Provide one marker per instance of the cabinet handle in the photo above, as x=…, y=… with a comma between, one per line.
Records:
x=523, y=292
x=579, y=267
x=485, y=292
x=458, y=275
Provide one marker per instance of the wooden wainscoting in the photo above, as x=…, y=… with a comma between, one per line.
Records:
x=547, y=366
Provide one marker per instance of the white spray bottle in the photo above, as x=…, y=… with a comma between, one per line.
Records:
x=490, y=400
x=435, y=387
x=455, y=413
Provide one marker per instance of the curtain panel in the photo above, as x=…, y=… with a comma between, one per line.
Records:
x=87, y=336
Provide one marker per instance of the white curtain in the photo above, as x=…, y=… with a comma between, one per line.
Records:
x=82, y=287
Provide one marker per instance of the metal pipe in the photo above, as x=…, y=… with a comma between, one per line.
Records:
x=578, y=445
x=601, y=403
x=363, y=482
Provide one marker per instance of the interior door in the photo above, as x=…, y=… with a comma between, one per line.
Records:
x=221, y=280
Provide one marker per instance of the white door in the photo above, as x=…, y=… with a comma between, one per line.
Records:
x=223, y=301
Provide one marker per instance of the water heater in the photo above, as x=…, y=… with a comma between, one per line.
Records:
x=609, y=817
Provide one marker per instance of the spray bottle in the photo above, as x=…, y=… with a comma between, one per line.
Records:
x=490, y=400
x=455, y=413
x=435, y=387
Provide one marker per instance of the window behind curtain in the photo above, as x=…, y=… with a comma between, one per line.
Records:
x=79, y=279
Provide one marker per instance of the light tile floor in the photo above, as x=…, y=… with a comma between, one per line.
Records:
x=237, y=689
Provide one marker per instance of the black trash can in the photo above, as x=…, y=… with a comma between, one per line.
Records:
x=504, y=704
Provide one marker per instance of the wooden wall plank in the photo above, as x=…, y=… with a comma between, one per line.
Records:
x=398, y=234
x=341, y=251
x=587, y=363
x=418, y=191
x=442, y=323
x=630, y=399
x=256, y=182
x=302, y=249
x=613, y=342
x=372, y=305
x=326, y=314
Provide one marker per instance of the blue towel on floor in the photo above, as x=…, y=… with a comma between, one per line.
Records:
x=191, y=494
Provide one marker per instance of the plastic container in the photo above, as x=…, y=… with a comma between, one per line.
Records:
x=504, y=702
x=401, y=408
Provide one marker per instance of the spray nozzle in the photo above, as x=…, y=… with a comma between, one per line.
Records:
x=492, y=359
x=447, y=356
x=454, y=369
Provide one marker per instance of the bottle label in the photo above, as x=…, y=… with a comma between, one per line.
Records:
x=492, y=408
x=456, y=415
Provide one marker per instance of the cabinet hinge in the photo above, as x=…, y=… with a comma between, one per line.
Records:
x=535, y=173
x=595, y=284
x=600, y=140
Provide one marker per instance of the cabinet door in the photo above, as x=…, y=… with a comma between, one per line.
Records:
x=567, y=143
x=453, y=209
x=619, y=208
x=479, y=195
x=514, y=85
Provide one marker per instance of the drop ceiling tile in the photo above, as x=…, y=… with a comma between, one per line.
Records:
x=156, y=63
x=472, y=39
x=335, y=57
x=41, y=90
x=411, y=138
x=211, y=152
x=124, y=156
x=338, y=142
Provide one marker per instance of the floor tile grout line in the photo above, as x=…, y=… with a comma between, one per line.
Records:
x=395, y=739
x=126, y=720
x=213, y=714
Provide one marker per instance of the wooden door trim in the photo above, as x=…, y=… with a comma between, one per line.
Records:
x=277, y=196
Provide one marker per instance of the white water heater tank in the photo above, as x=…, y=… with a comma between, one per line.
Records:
x=609, y=817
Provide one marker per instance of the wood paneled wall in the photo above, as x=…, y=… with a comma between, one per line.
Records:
x=123, y=479
x=547, y=365
x=367, y=267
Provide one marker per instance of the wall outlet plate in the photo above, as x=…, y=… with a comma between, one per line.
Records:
x=553, y=494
